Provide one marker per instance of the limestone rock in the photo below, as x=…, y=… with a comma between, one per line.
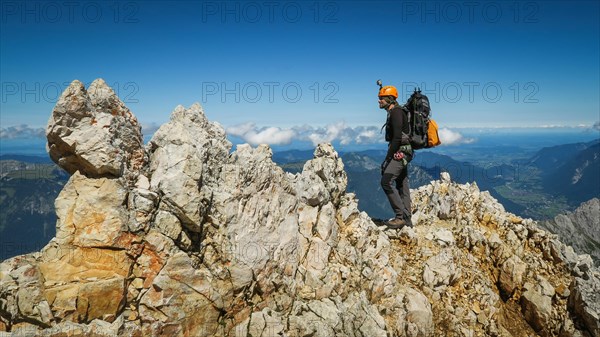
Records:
x=440, y=270
x=580, y=228
x=584, y=300
x=21, y=294
x=185, y=157
x=81, y=222
x=182, y=301
x=511, y=275
x=93, y=132
x=82, y=284
x=444, y=237
x=419, y=318
x=323, y=178
x=537, y=309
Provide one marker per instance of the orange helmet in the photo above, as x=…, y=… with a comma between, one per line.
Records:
x=388, y=90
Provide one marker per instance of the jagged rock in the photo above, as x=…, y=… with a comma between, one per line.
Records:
x=168, y=224
x=444, y=237
x=142, y=204
x=509, y=237
x=97, y=328
x=82, y=284
x=196, y=240
x=440, y=270
x=511, y=275
x=545, y=287
x=185, y=156
x=21, y=296
x=584, y=300
x=327, y=179
x=93, y=132
x=471, y=238
x=81, y=222
x=419, y=318
x=262, y=323
x=569, y=256
x=580, y=228
x=583, y=266
x=184, y=298
x=537, y=309
x=568, y=330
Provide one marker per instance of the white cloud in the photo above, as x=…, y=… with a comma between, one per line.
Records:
x=249, y=132
x=340, y=132
x=328, y=134
x=337, y=132
x=596, y=126
x=368, y=136
x=449, y=137
x=552, y=126
x=22, y=131
x=148, y=129
x=266, y=135
x=241, y=129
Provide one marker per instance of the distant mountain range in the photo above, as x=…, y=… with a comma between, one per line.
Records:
x=26, y=159
x=549, y=159
x=577, y=175
x=27, y=194
x=292, y=156
x=570, y=171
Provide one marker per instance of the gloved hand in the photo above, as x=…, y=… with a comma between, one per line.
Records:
x=401, y=157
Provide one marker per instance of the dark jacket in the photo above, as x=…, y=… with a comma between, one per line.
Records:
x=396, y=130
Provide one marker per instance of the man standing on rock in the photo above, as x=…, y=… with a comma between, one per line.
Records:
x=394, y=169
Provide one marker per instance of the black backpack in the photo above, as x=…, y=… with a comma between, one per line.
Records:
x=418, y=109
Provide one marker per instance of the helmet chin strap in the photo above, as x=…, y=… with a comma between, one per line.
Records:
x=388, y=102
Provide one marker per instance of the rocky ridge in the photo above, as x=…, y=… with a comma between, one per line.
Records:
x=183, y=237
x=579, y=229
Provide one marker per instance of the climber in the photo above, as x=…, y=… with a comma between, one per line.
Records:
x=394, y=169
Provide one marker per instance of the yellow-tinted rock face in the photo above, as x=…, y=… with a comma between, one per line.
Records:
x=91, y=212
x=82, y=284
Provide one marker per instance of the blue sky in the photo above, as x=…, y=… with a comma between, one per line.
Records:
x=271, y=71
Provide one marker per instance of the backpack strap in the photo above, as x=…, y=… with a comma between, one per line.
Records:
x=387, y=119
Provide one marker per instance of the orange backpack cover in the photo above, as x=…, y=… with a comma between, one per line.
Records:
x=433, y=139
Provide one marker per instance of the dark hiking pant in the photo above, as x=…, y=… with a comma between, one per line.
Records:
x=394, y=181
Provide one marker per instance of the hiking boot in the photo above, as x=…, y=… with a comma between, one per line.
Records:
x=396, y=223
x=379, y=222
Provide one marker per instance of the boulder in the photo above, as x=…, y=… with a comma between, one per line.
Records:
x=92, y=131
